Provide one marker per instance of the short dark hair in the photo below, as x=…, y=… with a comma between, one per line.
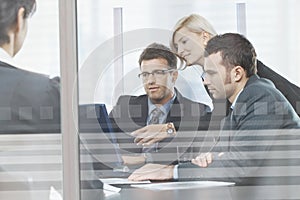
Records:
x=235, y=50
x=155, y=50
x=8, y=15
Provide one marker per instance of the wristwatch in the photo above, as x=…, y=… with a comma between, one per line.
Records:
x=170, y=129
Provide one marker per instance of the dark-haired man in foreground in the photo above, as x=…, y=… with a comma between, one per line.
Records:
x=29, y=102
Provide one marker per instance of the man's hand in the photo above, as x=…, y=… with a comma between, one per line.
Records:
x=203, y=160
x=152, y=172
x=150, y=134
x=133, y=160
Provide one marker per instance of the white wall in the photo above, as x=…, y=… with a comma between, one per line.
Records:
x=40, y=52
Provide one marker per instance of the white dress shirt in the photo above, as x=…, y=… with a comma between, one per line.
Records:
x=6, y=58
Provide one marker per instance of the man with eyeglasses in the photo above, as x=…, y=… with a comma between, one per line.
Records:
x=163, y=107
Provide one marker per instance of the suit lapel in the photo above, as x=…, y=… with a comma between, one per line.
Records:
x=176, y=111
x=228, y=123
x=138, y=110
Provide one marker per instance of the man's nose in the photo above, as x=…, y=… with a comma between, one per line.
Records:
x=151, y=78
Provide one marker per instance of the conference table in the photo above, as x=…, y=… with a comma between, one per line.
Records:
x=31, y=168
x=213, y=193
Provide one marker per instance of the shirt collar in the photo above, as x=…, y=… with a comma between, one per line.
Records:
x=6, y=58
x=237, y=96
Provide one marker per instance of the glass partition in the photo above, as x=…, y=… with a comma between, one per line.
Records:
x=31, y=147
x=111, y=36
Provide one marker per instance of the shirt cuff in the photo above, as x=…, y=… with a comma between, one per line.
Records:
x=175, y=172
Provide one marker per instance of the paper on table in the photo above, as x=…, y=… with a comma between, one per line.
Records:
x=183, y=185
x=121, y=181
x=54, y=194
x=110, y=190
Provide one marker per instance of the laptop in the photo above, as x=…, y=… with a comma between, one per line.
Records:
x=93, y=118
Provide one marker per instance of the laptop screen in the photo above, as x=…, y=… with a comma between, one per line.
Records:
x=93, y=118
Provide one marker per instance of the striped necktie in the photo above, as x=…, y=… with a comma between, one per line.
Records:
x=155, y=116
x=154, y=120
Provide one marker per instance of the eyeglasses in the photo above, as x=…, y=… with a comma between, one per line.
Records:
x=155, y=73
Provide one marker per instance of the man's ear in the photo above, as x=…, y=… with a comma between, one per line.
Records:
x=20, y=19
x=206, y=37
x=174, y=76
x=238, y=73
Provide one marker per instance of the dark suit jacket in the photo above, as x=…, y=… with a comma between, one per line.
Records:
x=288, y=89
x=131, y=112
x=259, y=106
x=29, y=102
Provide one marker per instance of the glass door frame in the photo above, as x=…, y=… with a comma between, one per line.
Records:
x=69, y=99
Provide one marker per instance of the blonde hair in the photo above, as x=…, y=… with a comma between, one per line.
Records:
x=195, y=23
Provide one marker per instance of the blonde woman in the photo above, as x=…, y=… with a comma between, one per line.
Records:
x=190, y=36
x=188, y=41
